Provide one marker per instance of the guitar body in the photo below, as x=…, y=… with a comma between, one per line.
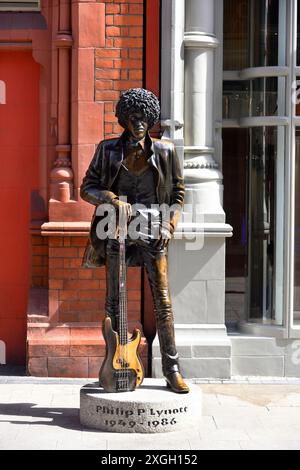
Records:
x=122, y=369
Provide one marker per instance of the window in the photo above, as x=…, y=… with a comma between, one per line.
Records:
x=26, y=5
x=254, y=158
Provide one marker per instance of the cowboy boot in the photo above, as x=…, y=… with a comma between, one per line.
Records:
x=170, y=359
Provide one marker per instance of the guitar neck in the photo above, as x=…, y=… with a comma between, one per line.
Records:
x=123, y=325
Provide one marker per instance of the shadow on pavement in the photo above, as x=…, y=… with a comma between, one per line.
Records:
x=67, y=418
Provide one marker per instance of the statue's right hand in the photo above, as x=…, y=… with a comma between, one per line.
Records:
x=124, y=208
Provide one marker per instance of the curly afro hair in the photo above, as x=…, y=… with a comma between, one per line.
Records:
x=138, y=100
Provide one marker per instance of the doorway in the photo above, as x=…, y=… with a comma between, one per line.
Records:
x=19, y=175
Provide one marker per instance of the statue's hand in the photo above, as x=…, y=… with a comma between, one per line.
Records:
x=124, y=208
x=164, y=238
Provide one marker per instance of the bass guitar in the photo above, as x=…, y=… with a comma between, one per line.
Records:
x=122, y=369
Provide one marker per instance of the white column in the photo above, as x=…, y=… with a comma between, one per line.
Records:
x=197, y=265
x=172, y=71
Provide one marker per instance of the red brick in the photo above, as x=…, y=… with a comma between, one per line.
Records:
x=113, y=31
x=68, y=295
x=91, y=295
x=136, y=9
x=124, y=74
x=85, y=274
x=110, y=117
x=55, y=241
x=37, y=260
x=72, y=263
x=40, y=250
x=39, y=271
x=63, y=274
x=124, y=53
x=117, y=129
x=125, y=84
x=92, y=349
x=108, y=128
x=109, y=42
x=93, y=316
x=107, y=95
x=134, y=306
x=40, y=349
x=134, y=20
x=63, y=252
x=124, y=9
x=136, y=31
x=135, y=53
x=134, y=295
x=67, y=241
x=81, y=284
x=108, y=107
x=128, y=42
x=68, y=367
x=79, y=241
x=108, y=53
x=37, y=366
x=95, y=364
x=127, y=64
x=99, y=273
x=56, y=284
x=82, y=305
x=35, y=240
x=56, y=263
x=70, y=317
x=124, y=31
x=104, y=84
x=135, y=74
x=104, y=63
x=112, y=9
x=109, y=19
x=38, y=282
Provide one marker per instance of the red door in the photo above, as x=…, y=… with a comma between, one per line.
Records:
x=19, y=140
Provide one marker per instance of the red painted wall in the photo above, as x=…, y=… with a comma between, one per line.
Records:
x=19, y=140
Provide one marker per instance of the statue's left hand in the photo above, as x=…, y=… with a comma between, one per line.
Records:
x=164, y=238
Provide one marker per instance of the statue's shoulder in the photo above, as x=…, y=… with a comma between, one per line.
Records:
x=108, y=143
x=165, y=144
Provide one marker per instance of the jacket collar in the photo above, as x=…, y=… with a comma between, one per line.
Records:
x=118, y=151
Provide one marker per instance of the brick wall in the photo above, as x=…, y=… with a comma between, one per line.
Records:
x=39, y=261
x=78, y=294
x=119, y=65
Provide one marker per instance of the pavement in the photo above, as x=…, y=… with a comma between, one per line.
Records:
x=245, y=413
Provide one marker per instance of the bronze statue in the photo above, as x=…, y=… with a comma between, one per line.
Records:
x=148, y=173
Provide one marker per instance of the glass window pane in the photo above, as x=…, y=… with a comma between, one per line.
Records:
x=254, y=33
x=266, y=224
x=254, y=173
x=258, y=97
x=297, y=233
x=235, y=169
x=264, y=28
x=298, y=32
x=236, y=34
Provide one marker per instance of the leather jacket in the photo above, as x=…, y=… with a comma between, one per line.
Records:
x=102, y=172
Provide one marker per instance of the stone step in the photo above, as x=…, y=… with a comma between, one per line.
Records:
x=243, y=345
x=257, y=356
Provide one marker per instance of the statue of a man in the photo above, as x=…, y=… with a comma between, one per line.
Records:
x=148, y=173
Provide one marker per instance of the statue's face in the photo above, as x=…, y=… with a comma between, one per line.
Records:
x=137, y=125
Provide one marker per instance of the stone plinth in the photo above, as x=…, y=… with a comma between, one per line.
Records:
x=152, y=408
